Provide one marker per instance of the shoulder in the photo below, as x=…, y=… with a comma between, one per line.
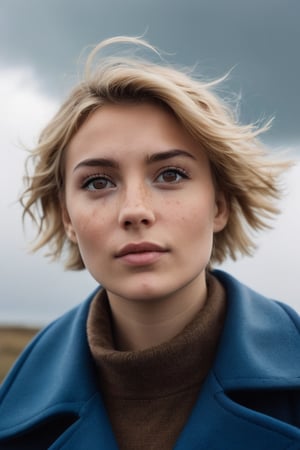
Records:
x=61, y=334
x=261, y=337
x=58, y=358
x=250, y=301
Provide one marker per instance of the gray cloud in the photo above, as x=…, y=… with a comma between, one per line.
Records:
x=260, y=39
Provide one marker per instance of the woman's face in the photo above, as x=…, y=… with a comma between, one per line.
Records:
x=140, y=202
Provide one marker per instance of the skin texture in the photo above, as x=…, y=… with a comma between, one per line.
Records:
x=133, y=176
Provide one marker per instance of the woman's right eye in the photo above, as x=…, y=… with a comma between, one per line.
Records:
x=97, y=183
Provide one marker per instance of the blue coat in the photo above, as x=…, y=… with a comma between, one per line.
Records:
x=250, y=399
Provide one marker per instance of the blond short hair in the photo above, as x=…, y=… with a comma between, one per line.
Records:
x=240, y=166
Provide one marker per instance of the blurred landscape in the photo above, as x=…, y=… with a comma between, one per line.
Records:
x=13, y=339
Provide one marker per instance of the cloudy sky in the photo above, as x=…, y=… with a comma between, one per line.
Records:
x=40, y=45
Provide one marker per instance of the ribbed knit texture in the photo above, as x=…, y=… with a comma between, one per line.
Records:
x=149, y=394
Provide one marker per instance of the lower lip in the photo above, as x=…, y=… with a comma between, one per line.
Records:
x=141, y=259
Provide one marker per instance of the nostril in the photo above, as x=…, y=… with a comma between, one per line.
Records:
x=128, y=223
x=135, y=217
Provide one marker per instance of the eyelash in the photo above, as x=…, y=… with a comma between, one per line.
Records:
x=89, y=179
x=176, y=170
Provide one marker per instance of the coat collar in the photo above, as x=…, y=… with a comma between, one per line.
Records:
x=259, y=346
x=55, y=374
x=258, y=349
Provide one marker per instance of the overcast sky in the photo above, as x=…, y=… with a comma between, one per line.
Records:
x=40, y=43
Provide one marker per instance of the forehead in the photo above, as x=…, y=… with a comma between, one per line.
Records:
x=124, y=118
x=130, y=130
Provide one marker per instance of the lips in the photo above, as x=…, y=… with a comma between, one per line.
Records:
x=143, y=247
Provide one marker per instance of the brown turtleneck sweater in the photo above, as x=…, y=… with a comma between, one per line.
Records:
x=149, y=394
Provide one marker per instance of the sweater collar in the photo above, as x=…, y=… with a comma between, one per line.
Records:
x=177, y=365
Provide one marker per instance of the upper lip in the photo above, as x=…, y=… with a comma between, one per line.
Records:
x=139, y=248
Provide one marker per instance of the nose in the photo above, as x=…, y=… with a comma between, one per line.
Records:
x=136, y=208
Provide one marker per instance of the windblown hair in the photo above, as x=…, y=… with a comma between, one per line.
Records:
x=240, y=167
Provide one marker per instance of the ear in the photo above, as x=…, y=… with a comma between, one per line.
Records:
x=221, y=212
x=69, y=229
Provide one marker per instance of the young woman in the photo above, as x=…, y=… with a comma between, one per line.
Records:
x=145, y=179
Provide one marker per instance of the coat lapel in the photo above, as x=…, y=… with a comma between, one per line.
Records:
x=258, y=351
x=54, y=382
x=92, y=431
x=217, y=423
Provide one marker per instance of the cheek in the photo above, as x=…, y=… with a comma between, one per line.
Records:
x=89, y=224
x=196, y=213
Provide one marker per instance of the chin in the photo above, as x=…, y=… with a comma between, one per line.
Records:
x=143, y=295
x=149, y=292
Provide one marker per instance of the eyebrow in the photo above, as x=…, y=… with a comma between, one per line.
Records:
x=97, y=162
x=161, y=156
x=113, y=164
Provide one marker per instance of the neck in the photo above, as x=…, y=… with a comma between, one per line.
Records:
x=139, y=325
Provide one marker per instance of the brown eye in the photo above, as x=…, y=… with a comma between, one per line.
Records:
x=171, y=176
x=97, y=183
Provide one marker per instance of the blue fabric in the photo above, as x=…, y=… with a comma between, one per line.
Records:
x=250, y=400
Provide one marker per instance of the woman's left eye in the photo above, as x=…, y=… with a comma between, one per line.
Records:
x=171, y=175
